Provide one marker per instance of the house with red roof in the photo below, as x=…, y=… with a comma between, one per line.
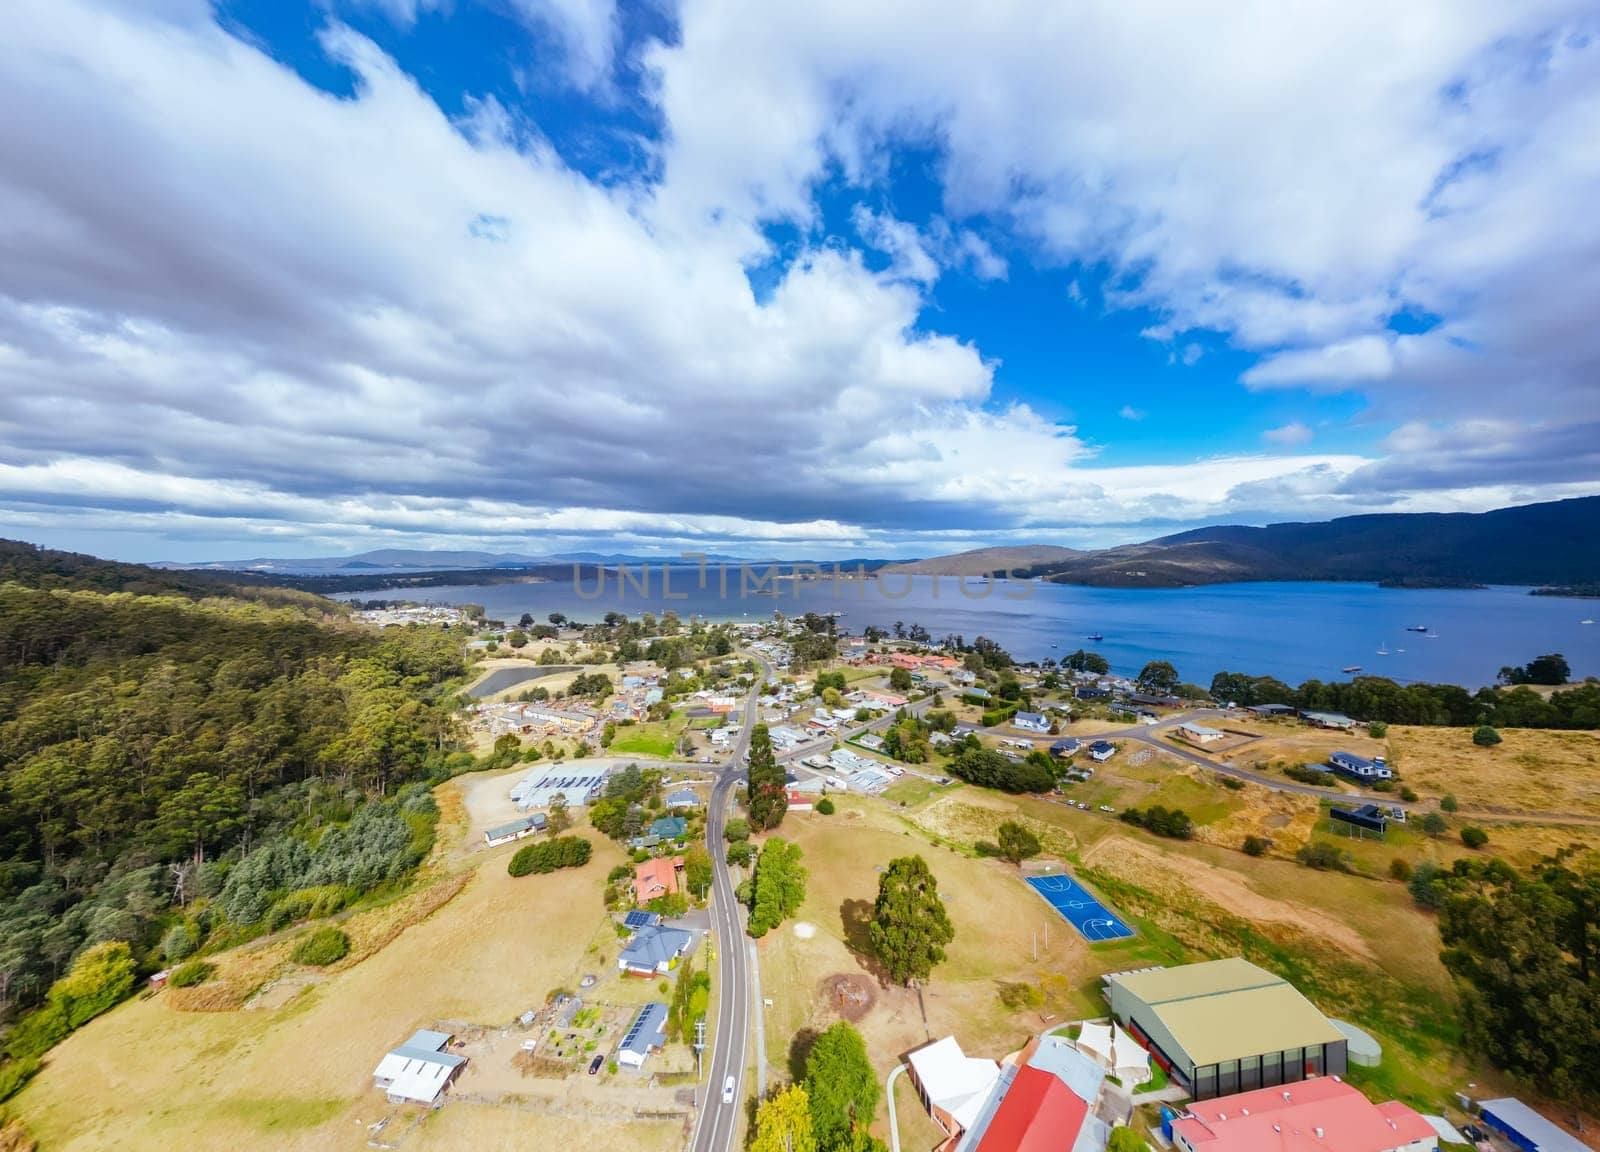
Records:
x=1047, y=1099
x=1321, y=1115
x=1038, y=1113
x=658, y=877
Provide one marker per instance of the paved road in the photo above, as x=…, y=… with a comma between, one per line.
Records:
x=717, y=1126
x=1151, y=734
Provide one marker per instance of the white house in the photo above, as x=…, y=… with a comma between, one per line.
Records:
x=953, y=1086
x=419, y=1070
x=516, y=830
x=1200, y=734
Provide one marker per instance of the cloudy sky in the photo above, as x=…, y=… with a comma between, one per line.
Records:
x=808, y=278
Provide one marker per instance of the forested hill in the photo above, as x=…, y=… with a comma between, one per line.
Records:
x=36, y=567
x=154, y=726
x=1551, y=544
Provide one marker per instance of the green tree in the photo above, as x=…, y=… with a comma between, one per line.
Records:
x=1433, y=825
x=1524, y=950
x=780, y=886
x=1017, y=843
x=783, y=1123
x=1474, y=837
x=1158, y=677
x=900, y=679
x=824, y=806
x=557, y=818
x=1448, y=802
x=910, y=926
x=765, y=797
x=841, y=1084
x=1485, y=737
x=1125, y=1139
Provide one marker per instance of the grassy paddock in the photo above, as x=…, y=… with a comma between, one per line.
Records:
x=297, y=1076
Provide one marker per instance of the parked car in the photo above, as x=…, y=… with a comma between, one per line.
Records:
x=1107, y=808
x=594, y=1065
x=727, y=1090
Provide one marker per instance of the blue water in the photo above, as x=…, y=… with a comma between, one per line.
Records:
x=1293, y=631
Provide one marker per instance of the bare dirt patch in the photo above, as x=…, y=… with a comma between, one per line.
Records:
x=849, y=995
x=1149, y=868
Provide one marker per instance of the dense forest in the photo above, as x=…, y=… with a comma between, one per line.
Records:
x=184, y=763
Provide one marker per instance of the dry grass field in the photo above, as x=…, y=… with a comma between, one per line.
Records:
x=996, y=917
x=1529, y=771
x=470, y=945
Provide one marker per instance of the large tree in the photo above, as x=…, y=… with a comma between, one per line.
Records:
x=1159, y=677
x=1017, y=843
x=766, y=798
x=1525, y=954
x=910, y=926
x=783, y=1123
x=841, y=1084
x=779, y=887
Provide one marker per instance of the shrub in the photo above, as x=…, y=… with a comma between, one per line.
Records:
x=825, y=806
x=1324, y=857
x=736, y=829
x=1400, y=868
x=1408, y=794
x=1256, y=845
x=1306, y=774
x=1174, y=822
x=741, y=853
x=1433, y=825
x=1377, y=729
x=190, y=974
x=548, y=855
x=1233, y=783
x=15, y=1073
x=1426, y=892
x=1474, y=837
x=1485, y=737
x=1448, y=802
x=322, y=947
x=99, y=978
x=178, y=943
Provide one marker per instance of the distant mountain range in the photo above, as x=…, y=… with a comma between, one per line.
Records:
x=420, y=560
x=1554, y=543
x=983, y=561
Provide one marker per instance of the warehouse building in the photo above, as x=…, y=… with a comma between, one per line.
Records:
x=1321, y=1114
x=1525, y=1128
x=1227, y=1026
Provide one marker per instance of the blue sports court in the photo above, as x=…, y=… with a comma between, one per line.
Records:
x=1093, y=920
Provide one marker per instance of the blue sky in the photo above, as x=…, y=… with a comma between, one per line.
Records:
x=795, y=279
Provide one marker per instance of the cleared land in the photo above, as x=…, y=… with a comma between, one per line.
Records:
x=1529, y=771
x=472, y=946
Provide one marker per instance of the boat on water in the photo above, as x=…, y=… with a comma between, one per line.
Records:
x=1585, y=621
x=1383, y=649
x=1055, y=645
x=1094, y=636
x=1416, y=627
x=1352, y=668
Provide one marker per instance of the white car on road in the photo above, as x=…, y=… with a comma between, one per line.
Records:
x=727, y=1090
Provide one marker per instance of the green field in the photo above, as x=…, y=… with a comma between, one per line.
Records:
x=655, y=739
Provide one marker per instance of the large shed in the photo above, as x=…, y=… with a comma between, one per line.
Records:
x=1227, y=1026
x=1527, y=1129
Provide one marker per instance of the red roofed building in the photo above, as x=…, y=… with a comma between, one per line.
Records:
x=658, y=877
x=1321, y=1115
x=1038, y=1114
